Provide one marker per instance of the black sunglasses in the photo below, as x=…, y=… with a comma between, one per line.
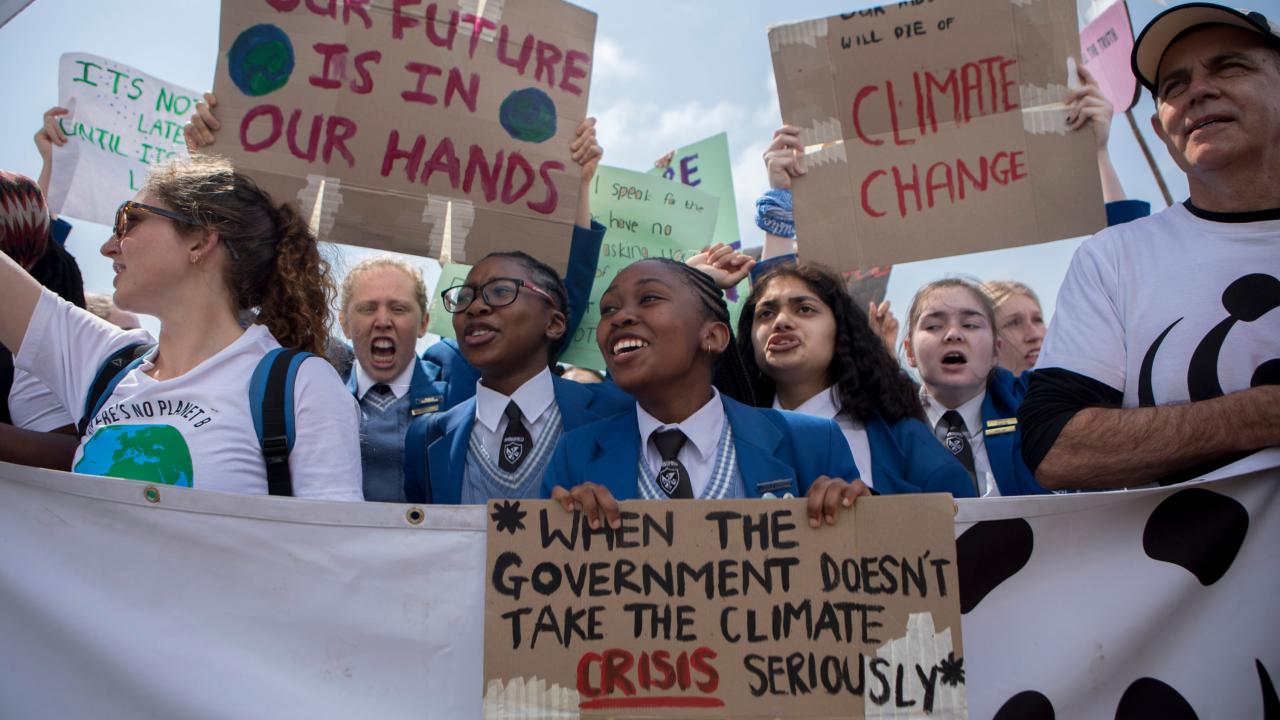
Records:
x=123, y=222
x=498, y=292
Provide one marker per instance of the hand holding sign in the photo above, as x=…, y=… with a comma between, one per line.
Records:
x=784, y=158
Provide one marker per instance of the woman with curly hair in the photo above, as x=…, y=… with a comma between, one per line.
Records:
x=810, y=349
x=202, y=248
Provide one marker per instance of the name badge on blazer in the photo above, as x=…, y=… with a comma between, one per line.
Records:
x=771, y=488
x=425, y=405
x=1001, y=426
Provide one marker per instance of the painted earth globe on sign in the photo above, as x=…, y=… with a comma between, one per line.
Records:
x=528, y=115
x=260, y=60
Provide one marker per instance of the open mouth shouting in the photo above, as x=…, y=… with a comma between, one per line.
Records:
x=382, y=352
x=475, y=334
x=954, y=359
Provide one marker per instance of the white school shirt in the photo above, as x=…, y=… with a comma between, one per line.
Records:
x=703, y=429
x=534, y=398
x=194, y=430
x=399, y=384
x=826, y=404
x=971, y=412
x=33, y=406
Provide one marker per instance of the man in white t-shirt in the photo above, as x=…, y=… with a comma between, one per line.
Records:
x=1163, y=358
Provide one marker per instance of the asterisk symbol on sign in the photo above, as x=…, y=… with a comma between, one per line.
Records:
x=952, y=669
x=508, y=516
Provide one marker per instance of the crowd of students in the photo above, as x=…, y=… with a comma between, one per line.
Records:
x=804, y=397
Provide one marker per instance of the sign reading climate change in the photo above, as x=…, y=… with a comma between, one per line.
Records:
x=935, y=129
x=398, y=125
x=121, y=122
x=724, y=609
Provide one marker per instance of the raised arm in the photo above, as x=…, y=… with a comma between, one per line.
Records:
x=1090, y=108
x=17, y=302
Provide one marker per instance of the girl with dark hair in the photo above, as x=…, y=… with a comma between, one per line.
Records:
x=665, y=335
x=809, y=348
x=199, y=247
x=510, y=319
x=970, y=402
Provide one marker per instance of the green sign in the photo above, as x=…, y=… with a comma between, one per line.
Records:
x=705, y=165
x=441, y=322
x=645, y=217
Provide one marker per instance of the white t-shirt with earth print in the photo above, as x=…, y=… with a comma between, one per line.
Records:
x=194, y=430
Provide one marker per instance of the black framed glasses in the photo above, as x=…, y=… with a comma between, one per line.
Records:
x=498, y=292
x=124, y=221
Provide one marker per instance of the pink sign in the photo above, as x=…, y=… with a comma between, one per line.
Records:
x=1105, y=45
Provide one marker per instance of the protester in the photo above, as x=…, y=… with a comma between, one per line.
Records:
x=1161, y=361
x=970, y=403
x=1019, y=324
x=450, y=367
x=509, y=315
x=664, y=327
x=811, y=350
x=102, y=306
x=196, y=247
x=383, y=312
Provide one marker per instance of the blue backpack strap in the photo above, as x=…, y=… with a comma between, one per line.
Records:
x=113, y=369
x=271, y=404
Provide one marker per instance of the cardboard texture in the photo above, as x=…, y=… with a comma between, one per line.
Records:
x=396, y=116
x=762, y=617
x=646, y=216
x=936, y=129
x=1105, y=45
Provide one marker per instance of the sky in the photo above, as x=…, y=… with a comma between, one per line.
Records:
x=665, y=73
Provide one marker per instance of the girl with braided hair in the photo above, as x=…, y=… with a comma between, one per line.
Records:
x=665, y=335
x=201, y=247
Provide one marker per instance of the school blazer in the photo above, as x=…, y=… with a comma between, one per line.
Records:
x=907, y=458
x=1001, y=436
x=779, y=452
x=584, y=258
x=426, y=392
x=435, y=448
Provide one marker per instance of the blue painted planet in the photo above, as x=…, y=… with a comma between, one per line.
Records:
x=528, y=115
x=260, y=60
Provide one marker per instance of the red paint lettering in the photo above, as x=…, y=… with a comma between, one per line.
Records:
x=424, y=71
x=575, y=62
x=614, y=676
x=893, y=114
x=453, y=87
x=585, y=688
x=526, y=51
x=548, y=205
x=356, y=7
x=857, y=121
x=488, y=174
x=444, y=158
x=1014, y=165
x=516, y=161
x=312, y=141
x=548, y=56
x=979, y=182
x=284, y=5
x=337, y=131
x=399, y=20
x=971, y=88
x=904, y=188
x=364, y=85
x=1006, y=83
x=446, y=40
x=330, y=11
x=335, y=65
x=701, y=662
x=947, y=184
x=662, y=663
x=866, y=199
x=478, y=26
x=948, y=85
x=412, y=157
x=276, y=126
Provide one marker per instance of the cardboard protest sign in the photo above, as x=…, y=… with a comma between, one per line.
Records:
x=706, y=165
x=1105, y=45
x=868, y=286
x=385, y=119
x=724, y=609
x=646, y=216
x=935, y=129
x=122, y=121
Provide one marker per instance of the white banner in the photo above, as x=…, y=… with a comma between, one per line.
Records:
x=120, y=599
x=122, y=122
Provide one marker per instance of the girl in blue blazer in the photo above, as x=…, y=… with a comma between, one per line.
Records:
x=509, y=316
x=809, y=348
x=664, y=328
x=952, y=342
